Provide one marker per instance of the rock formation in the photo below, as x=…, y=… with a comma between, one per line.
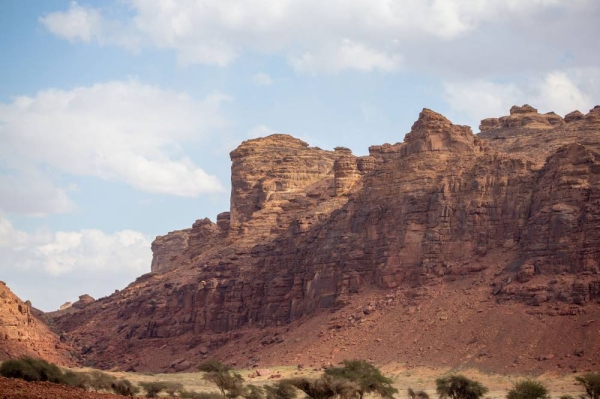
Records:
x=23, y=334
x=511, y=214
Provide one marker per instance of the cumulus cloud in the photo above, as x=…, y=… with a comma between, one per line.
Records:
x=317, y=36
x=71, y=263
x=86, y=24
x=558, y=91
x=122, y=131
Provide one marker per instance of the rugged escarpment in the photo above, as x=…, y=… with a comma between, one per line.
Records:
x=23, y=334
x=511, y=214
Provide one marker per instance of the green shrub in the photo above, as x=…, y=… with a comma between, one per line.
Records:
x=153, y=388
x=30, y=369
x=528, y=389
x=14, y=368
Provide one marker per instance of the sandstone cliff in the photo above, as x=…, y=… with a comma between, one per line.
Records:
x=511, y=214
x=24, y=334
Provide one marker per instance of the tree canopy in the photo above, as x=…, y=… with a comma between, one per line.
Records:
x=528, y=389
x=229, y=383
x=367, y=376
x=459, y=387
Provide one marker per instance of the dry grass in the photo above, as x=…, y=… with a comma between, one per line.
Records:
x=416, y=378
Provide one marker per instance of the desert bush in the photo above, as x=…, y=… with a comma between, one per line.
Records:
x=30, y=369
x=280, y=390
x=14, y=368
x=153, y=388
x=253, y=392
x=459, y=387
x=418, y=394
x=528, y=389
x=100, y=381
x=326, y=387
x=77, y=379
x=591, y=383
x=124, y=387
x=367, y=376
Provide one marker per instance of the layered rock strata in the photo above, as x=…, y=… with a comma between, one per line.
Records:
x=309, y=229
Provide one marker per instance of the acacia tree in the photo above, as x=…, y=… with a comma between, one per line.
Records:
x=459, y=387
x=528, y=389
x=229, y=383
x=591, y=383
x=326, y=387
x=367, y=376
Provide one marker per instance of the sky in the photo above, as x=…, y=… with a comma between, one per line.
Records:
x=117, y=116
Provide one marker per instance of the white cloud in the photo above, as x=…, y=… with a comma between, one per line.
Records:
x=317, y=36
x=71, y=263
x=117, y=131
x=558, y=91
x=87, y=25
x=260, y=131
x=346, y=55
x=262, y=79
x=33, y=194
x=77, y=23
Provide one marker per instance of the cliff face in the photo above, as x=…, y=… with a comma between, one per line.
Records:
x=514, y=210
x=24, y=334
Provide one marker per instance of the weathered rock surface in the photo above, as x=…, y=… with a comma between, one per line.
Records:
x=23, y=334
x=513, y=211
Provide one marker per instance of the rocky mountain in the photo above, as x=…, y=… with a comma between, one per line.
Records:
x=22, y=333
x=447, y=248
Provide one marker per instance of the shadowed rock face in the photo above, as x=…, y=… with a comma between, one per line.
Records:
x=310, y=229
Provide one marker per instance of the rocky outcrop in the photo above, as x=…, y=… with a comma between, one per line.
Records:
x=573, y=116
x=273, y=177
x=533, y=137
x=522, y=117
x=513, y=210
x=84, y=300
x=23, y=334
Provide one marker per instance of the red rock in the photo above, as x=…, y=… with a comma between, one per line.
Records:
x=310, y=231
x=22, y=333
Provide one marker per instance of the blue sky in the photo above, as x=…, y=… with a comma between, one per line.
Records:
x=117, y=117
